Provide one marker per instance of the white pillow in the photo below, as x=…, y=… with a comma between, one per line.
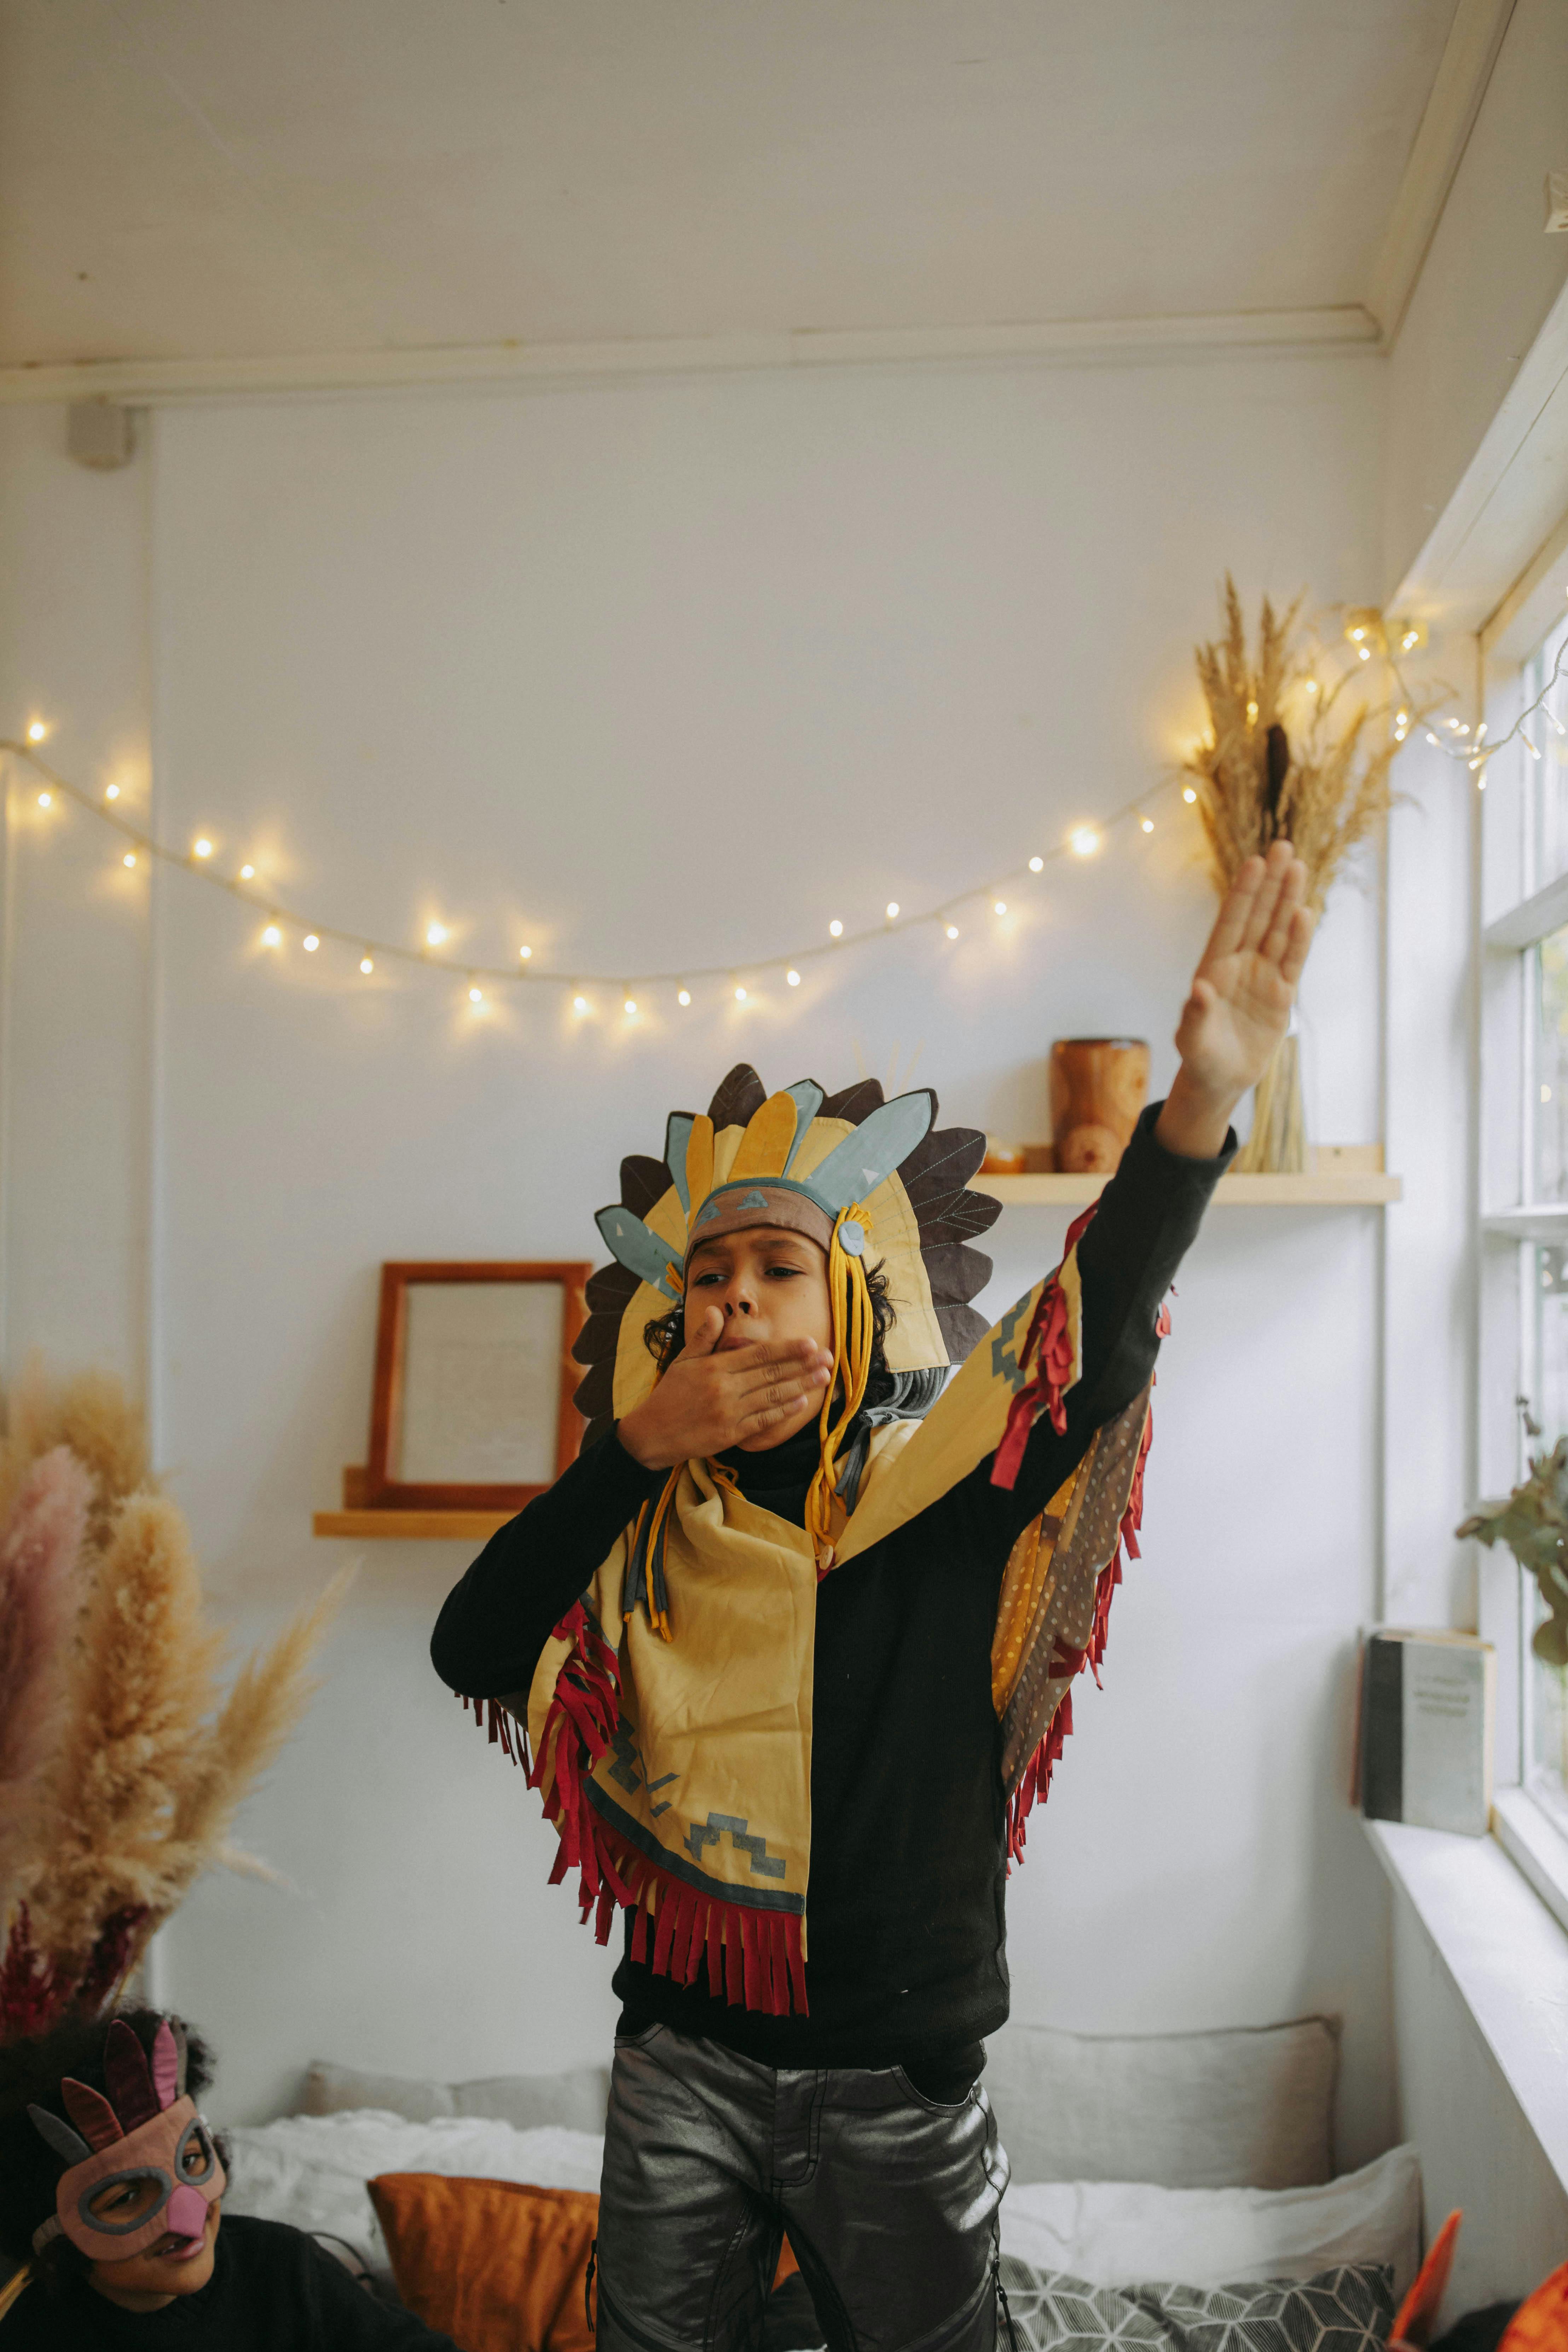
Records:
x=1243, y=2107
x=312, y=2170
x=1121, y=2234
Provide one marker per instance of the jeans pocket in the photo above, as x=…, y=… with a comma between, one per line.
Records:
x=933, y=2107
x=638, y=2041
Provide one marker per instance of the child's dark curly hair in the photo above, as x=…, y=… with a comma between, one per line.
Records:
x=30, y=2074
x=665, y=1336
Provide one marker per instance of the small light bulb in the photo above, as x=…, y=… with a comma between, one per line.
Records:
x=1455, y=724
x=476, y=996
x=1363, y=653
x=1481, y=729
x=1000, y=907
x=740, y=996
x=579, y=1004
x=525, y=953
x=893, y=911
x=1532, y=749
x=1148, y=825
x=1251, y=712
x=1546, y=1094
x=44, y=798
x=1188, y=794
x=37, y=731
x=631, y=1004
x=1481, y=783
x=835, y=929
x=204, y=847
x=1356, y=636
x=129, y=858
x=366, y=964
x=1432, y=741
x=793, y=977
x=1401, y=719
x=112, y=793
x=1085, y=841
x=683, y=997
x=1036, y=864
x=1411, y=637
x=247, y=873
x=309, y=943
x=271, y=937
x=436, y=934
x=952, y=931
x=1312, y=686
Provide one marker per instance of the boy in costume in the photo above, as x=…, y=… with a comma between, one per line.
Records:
x=110, y=2194
x=788, y=1653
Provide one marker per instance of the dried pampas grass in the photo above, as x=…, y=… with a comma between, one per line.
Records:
x=90, y=1414
x=144, y=1677
x=111, y=1704
x=265, y=1701
x=40, y=1592
x=1283, y=763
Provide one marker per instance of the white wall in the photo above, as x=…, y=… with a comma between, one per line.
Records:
x=651, y=672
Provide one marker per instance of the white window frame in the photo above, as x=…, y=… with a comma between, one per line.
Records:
x=1516, y=912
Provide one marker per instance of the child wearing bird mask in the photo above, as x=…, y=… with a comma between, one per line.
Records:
x=112, y=2184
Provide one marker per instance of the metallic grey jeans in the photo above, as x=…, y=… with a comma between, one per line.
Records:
x=890, y=2203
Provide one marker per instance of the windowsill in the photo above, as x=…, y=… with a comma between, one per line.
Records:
x=1506, y=1955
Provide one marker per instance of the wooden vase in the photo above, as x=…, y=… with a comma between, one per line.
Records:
x=1098, y=1088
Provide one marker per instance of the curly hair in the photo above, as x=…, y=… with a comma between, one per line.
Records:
x=30, y=2075
x=665, y=1336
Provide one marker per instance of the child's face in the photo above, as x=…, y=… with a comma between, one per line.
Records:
x=768, y=1284
x=146, y=2282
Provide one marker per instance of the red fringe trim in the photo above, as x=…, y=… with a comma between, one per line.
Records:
x=753, y=1957
x=1049, y=1342
x=1035, y=1785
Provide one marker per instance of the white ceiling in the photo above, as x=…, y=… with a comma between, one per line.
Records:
x=186, y=179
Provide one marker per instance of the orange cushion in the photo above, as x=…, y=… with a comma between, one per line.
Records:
x=497, y=2266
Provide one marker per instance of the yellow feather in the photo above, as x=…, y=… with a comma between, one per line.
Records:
x=764, y=1147
x=699, y=1162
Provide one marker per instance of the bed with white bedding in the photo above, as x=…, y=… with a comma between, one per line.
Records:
x=1202, y=2159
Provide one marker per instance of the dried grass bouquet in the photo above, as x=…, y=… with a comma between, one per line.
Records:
x=122, y=1762
x=1283, y=762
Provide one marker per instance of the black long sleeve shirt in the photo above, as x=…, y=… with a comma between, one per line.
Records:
x=271, y=2286
x=907, y=1933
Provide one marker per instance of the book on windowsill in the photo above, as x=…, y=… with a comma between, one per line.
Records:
x=1427, y=1702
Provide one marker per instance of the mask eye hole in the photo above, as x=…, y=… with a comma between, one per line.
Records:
x=197, y=2155
x=121, y=2202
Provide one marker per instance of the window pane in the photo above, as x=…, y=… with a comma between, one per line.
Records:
x=1546, y=1697
x=1548, y=1118
x=1548, y=774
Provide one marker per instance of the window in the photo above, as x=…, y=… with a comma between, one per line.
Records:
x=1524, y=1172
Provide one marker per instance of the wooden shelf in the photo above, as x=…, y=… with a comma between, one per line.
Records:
x=1349, y=1190
x=417, y=1527
x=1341, y=1176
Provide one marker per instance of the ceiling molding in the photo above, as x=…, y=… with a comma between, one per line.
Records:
x=1494, y=531
x=1464, y=70
x=160, y=381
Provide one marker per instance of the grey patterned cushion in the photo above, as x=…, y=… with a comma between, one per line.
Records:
x=1346, y=2310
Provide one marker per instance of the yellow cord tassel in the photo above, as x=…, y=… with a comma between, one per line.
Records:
x=853, y=1330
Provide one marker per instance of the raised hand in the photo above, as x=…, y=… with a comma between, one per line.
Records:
x=715, y=1396
x=1239, y=1005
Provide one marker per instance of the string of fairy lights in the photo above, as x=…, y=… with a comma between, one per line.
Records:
x=1367, y=632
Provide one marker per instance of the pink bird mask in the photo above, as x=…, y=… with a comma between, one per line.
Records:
x=141, y=2164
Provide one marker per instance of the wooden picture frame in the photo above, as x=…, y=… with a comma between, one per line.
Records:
x=469, y=1381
